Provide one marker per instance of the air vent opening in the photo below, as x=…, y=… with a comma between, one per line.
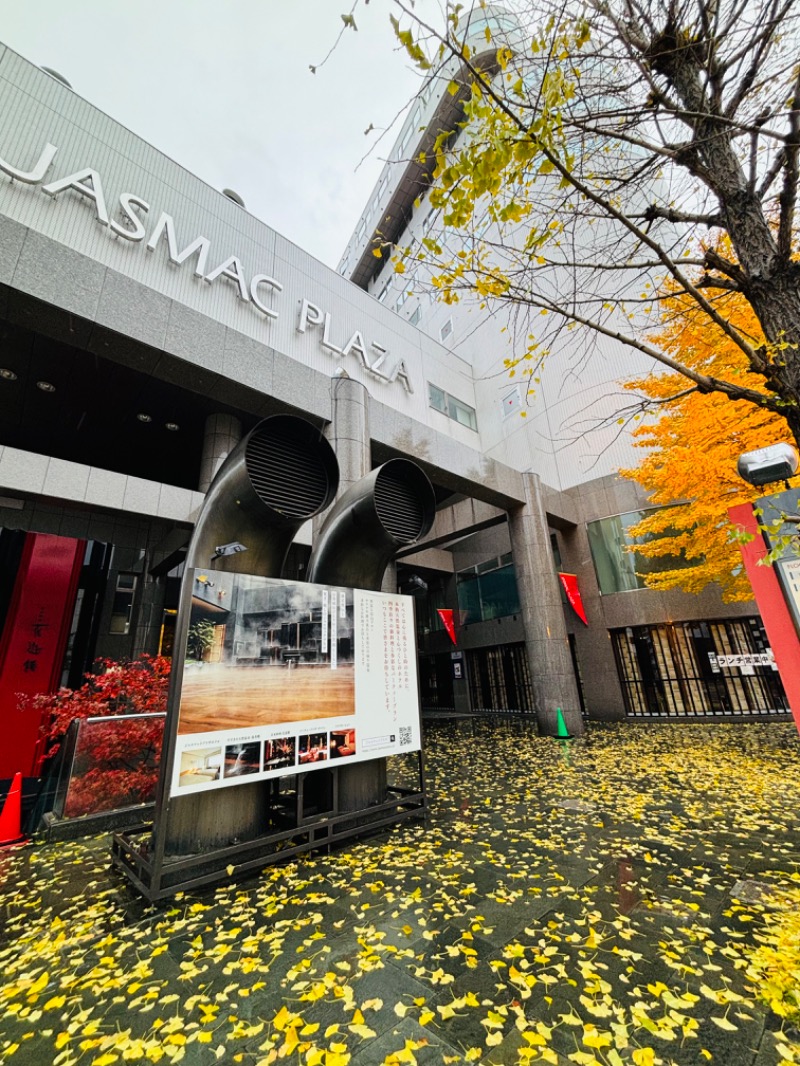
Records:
x=233, y=195
x=404, y=501
x=56, y=75
x=290, y=468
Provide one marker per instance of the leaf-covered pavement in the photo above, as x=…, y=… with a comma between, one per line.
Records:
x=596, y=902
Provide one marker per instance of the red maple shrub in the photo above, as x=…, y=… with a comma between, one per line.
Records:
x=115, y=764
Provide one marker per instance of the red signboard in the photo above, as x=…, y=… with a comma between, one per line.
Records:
x=771, y=605
x=569, y=583
x=33, y=641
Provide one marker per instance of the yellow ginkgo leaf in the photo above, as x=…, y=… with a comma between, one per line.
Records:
x=723, y=1023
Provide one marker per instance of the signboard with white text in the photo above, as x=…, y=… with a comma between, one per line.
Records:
x=286, y=677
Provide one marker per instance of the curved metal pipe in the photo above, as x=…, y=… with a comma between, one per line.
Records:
x=280, y=475
x=385, y=511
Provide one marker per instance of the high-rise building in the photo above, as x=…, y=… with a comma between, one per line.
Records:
x=148, y=322
x=661, y=655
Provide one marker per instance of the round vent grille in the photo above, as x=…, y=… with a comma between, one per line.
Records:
x=285, y=469
x=399, y=505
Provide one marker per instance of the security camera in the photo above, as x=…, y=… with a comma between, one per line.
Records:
x=764, y=466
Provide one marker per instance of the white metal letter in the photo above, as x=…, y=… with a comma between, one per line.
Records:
x=77, y=181
x=32, y=177
x=375, y=367
x=200, y=246
x=356, y=344
x=232, y=268
x=127, y=202
x=310, y=315
x=326, y=342
x=263, y=279
x=401, y=371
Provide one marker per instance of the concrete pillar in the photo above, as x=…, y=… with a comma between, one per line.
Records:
x=543, y=614
x=365, y=783
x=222, y=434
x=349, y=430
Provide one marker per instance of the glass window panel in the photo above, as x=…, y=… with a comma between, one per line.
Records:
x=620, y=570
x=114, y=765
x=437, y=398
x=122, y=607
x=469, y=598
x=453, y=408
x=488, y=595
x=462, y=413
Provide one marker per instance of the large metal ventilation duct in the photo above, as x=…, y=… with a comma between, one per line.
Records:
x=385, y=511
x=280, y=475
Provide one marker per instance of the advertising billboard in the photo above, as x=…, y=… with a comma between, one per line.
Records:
x=284, y=677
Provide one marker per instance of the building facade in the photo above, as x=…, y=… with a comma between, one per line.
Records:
x=148, y=322
x=646, y=653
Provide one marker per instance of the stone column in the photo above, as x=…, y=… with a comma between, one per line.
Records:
x=222, y=434
x=364, y=784
x=543, y=614
x=349, y=430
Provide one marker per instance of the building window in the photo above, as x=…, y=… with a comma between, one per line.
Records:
x=687, y=669
x=401, y=299
x=620, y=570
x=429, y=220
x=416, y=316
x=384, y=290
x=555, y=549
x=382, y=187
x=511, y=402
x=446, y=330
x=500, y=679
x=361, y=231
x=488, y=591
x=122, y=607
x=404, y=141
x=453, y=408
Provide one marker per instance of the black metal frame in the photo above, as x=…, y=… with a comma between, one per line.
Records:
x=353, y=553
x=158, y=878
x=692, y=693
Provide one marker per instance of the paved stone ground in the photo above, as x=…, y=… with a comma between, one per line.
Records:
x=594, y=902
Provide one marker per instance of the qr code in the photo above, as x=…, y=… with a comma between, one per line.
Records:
x=405, y=735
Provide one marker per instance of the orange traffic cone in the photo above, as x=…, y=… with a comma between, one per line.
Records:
x=10, y=829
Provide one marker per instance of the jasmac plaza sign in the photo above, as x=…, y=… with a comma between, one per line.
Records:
x=261, y=291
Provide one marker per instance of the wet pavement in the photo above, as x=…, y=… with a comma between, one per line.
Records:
x=594, y=902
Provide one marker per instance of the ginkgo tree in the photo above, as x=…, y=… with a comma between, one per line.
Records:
x=693, y=446
x=601, y=139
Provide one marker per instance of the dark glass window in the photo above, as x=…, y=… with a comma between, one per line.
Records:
x=122, y=608
x=488, y=591
x=620, y=570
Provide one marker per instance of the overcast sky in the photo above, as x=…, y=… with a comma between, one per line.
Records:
x=224, y=88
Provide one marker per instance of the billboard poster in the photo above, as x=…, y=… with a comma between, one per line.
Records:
x=284, y=677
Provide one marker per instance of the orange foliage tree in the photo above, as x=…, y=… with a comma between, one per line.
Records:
x=693, y=448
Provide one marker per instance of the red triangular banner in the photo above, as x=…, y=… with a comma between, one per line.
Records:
x=569, y=583
x=446, y=616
